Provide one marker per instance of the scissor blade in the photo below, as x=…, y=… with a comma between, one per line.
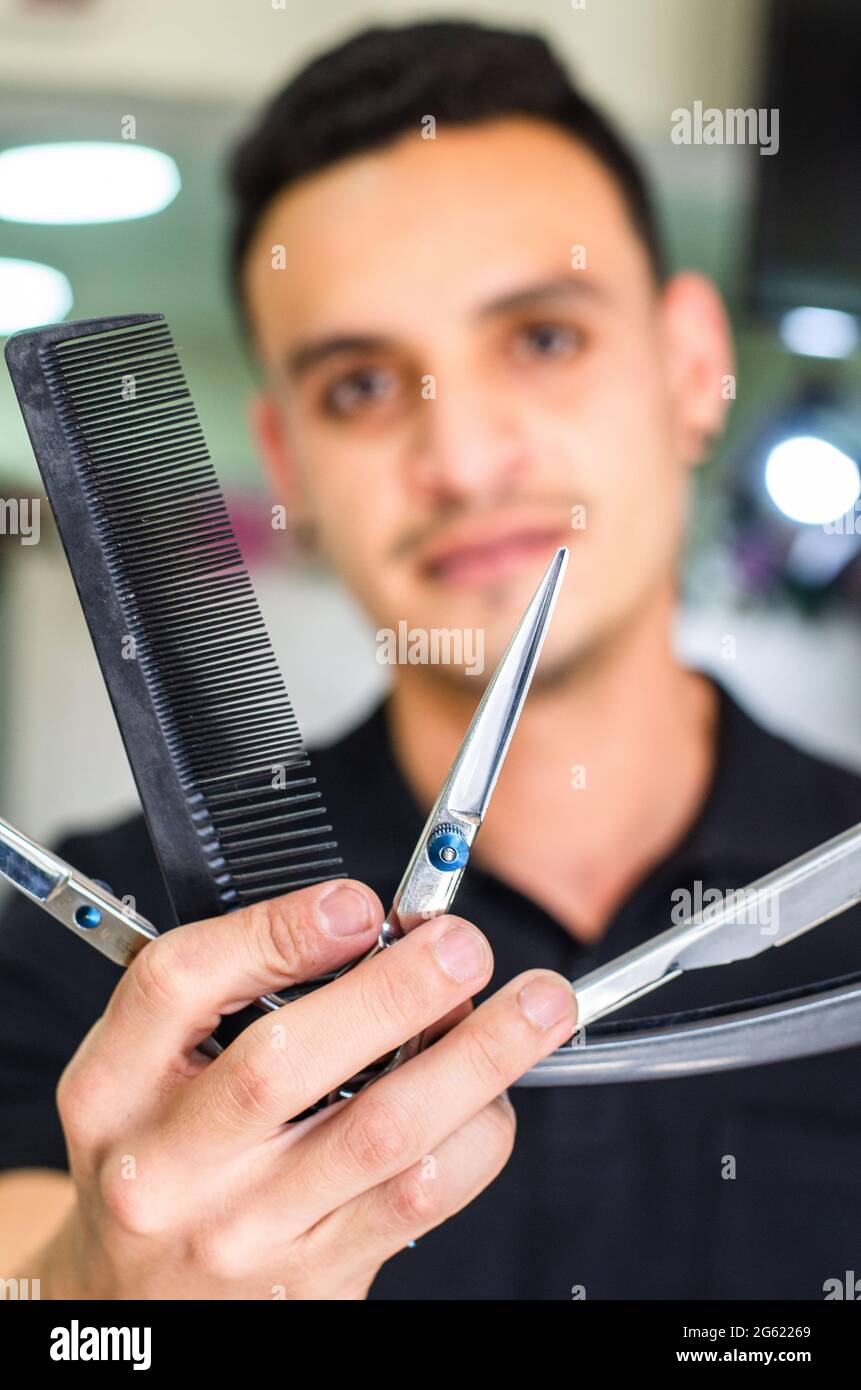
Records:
x=26, y=866
x=782, y=905
x=769, y=912
x=473, y=776
x=85, y=907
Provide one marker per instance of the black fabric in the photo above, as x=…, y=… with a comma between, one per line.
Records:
x=617, y=1190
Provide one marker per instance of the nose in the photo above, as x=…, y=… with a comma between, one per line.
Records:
x=468, y=443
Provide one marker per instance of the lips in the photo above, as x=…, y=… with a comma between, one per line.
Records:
x=489, y=557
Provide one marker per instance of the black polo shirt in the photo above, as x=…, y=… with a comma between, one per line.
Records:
x=623, y=1190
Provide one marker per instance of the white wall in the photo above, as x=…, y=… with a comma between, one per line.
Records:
x=797, y=675
x=642, y=56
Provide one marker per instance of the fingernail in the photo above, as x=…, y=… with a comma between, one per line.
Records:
x=461, y=953
x=345, y=912
x=545, y=1002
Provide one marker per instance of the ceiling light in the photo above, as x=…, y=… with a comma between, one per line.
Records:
x=76, y=182
x=820, y=332
x=31, y=294
x=811, y=481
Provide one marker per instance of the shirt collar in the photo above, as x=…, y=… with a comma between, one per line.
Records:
x=741, y=820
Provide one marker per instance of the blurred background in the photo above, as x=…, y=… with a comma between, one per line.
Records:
x=772, y=589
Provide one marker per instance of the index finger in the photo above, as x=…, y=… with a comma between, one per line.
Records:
x=175, y=992
x=282, y=1064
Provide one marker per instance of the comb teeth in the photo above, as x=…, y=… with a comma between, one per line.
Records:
x=159, y=520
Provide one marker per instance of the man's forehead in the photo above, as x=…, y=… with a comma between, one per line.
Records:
x=450, y=224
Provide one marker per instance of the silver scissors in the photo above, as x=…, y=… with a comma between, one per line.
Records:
x=440, y=857
x=772, y=911
x=809, y=890
x=432, y=876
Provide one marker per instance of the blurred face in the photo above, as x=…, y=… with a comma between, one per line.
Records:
x=468, y=364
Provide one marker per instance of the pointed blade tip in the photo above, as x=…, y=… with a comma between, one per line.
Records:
x=559, y=562
x=555, y=571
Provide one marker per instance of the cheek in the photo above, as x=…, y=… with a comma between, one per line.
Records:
x=624, y=464
x=632, y=437
x=344, y=516
x=608, y=422
x=353, y=511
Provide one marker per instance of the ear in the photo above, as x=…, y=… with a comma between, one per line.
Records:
x=267, y=430
x=700, y=359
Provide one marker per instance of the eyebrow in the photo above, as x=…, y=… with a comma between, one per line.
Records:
x=302, y=358
x=307, y=355
x=557, y=287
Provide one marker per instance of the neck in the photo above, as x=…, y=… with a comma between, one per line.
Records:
x=607, y=769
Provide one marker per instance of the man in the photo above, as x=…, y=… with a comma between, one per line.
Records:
x=451, y=276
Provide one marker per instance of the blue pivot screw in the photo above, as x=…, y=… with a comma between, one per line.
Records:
x=88, y=915
x=447, y=848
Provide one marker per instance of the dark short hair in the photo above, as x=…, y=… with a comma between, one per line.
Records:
x=377, y=86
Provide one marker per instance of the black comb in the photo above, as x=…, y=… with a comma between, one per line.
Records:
x=231, y=803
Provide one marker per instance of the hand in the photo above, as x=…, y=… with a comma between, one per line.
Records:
x=190, y=1180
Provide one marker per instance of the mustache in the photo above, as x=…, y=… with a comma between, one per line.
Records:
x=544, y=511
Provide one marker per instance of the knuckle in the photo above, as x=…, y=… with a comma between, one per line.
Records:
x=73, y=1102
x=281, y=937
x=127, y=1201
x=221, y=1255
x=294, y=1058
x=252, y=1094
x=158, y=974
x=487, y=1056
x=80, y=1097
x=378, y=1135
x=393, y=994
x=414, y=1199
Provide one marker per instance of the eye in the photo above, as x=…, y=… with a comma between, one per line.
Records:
x=358, y=390
x=546, y=340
